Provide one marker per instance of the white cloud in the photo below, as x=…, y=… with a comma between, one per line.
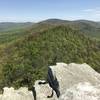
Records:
x=95, y=11
x=92, y=13
x=88, y=10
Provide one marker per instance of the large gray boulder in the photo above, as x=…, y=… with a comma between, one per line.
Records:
x=65, y=82
x=44, y=91
x=63, y=76
x=20, y=94
x=82, y=91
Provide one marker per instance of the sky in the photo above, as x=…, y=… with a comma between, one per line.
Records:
x=37, y=10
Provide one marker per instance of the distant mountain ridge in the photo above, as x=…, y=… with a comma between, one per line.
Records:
x=70, y=21
x=9, y=26
x=90, y=28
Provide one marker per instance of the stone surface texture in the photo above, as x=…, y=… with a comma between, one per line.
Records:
x=64, y=82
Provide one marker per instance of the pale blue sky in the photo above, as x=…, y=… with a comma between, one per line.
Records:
x=36, y=10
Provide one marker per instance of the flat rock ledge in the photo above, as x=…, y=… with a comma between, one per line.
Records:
x=64, y=82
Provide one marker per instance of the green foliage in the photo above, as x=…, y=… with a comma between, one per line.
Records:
x=89, y=28
x=28, y=59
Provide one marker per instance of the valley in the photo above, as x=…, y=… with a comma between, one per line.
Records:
x=26, y=53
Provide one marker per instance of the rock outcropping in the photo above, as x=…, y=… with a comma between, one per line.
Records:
x=44, y=91
x=82, y=91
x=20, y=94
x=65, y=82
x=63, y=76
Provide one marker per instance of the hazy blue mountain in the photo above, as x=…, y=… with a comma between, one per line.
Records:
x=9, y=26
x=87, y=27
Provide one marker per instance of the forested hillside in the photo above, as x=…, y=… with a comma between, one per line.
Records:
x=11, y=31
x=27, y=59
x=89, y=28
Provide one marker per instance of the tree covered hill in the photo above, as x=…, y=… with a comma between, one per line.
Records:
x=11, y=31
x=89, y=28
x=25, y=60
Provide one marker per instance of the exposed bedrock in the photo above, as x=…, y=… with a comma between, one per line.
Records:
x=63, y=76
x=64, y=82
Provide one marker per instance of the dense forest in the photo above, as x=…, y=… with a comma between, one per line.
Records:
x=26, y=58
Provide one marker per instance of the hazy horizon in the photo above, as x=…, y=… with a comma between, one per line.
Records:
x=45, y=20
